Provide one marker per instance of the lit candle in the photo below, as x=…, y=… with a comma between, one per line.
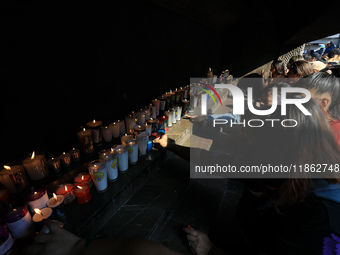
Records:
x=83, y=177
x=85, y=140
x=35, y=166
x=96, y=131
x=67, y=190
x=13, y=177
x=83, y=193
x=156, y=103
x=98, y=173
x=19, y=222
x=121, y=124
x=107, y=134
x=130, y=122
x=125, y=138
x=115, y=129
x=132, y=147
x=75, y=154
x=141, y=117
x=111, y=164
x=56, y=203
x=210, y=73
x=37, y=198
x=148, y=128
x=123, y=158
x=154, y=124
x=65, y=158
x=42, y=214
x=54, y=164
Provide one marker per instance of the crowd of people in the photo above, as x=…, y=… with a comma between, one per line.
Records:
x=294, y=215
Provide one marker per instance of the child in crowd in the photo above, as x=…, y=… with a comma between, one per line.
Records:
x=325, y=89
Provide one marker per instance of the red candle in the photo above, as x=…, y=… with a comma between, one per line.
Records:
x=67, y=190
x=83, y=178
x=82, y=193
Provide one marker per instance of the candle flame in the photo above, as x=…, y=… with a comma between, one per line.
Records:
x=82, y=177
x=55, y=196
x=37, y=211
x=94, y=121
x=80, y=187
x=66, y=188
x=33, y=155
x=209, y=69
x=7, y=167
x=84, y=129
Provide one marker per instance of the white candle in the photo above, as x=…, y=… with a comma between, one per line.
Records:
x=115, y=129
x=98, y=173
x=107, y=134
x=133, y=151
x=130, y=122
x=42, y=214
x=35, y=166
x=123, y=158
x=121, y=126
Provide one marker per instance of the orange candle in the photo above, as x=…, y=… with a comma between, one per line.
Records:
x=83, y=178
x=82, y=193
x=67, y=190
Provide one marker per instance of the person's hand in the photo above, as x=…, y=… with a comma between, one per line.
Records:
x=162, y=141
x=199, y=242
x=57, y=241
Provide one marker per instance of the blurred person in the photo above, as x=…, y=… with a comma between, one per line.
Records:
x=325, y=89
x=278, y=69
x=317, y=66
x=333, y=57
x=299, y=69
x=267, y=94
x=329, y=47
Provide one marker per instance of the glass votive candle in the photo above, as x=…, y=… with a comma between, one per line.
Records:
x=19, y=221
x=125, y=138
x=82, y=192
x=83, y=177
x=54, y=164
x=65, y=159
x=75, y=154
x=142, y=140
x=96, y=131
x=35, y=165
x=7, y=245
x=85, y=140
x=107, y=134
x=36, y=198
x=132, y=147
x=98, y=174
x=139, y=129
x=111, y=164
x=123, y=158
x=13, y=177
x=121, y=124
x=115, y=129
x=67, y=190
x=57, y=204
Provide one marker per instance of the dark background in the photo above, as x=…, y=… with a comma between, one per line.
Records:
x=66, y=63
